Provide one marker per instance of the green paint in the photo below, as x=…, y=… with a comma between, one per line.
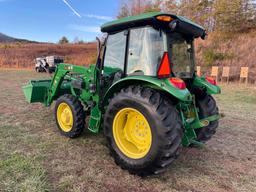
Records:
x=95, y=97
x=154, y=82
x=95, y=120
x=144, y=17
x=36, y=91
x=191, y=121
x=201, y=82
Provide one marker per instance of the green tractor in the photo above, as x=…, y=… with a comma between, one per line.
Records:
x=143, y=92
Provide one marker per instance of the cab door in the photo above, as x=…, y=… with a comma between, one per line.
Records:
x=114, y=58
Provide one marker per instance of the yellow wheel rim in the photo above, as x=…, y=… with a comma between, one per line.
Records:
x=65, y=117
x=132, y=133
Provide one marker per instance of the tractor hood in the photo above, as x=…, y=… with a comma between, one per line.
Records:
x=158, y=20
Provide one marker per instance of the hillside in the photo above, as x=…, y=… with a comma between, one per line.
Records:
x=7, y=39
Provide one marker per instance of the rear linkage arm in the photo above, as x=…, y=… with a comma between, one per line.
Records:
x=191, y=121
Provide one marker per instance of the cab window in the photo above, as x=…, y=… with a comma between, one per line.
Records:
x=115, y=52
x=146, y=48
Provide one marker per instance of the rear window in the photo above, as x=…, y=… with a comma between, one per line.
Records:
x=181, y=55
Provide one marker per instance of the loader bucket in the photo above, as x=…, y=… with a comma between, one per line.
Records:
x=36, y=91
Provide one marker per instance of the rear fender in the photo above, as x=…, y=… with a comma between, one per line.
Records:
x=158, y=84
x=203, y=83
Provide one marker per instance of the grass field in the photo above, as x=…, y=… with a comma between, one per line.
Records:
x=22, y=55
x=35, y=157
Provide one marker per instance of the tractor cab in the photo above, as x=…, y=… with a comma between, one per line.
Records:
x=152, y=44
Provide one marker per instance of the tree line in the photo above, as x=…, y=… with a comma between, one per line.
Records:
x=215, y=15
x=225, y=17
x=65, y=40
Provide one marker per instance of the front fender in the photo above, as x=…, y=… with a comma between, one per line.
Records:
x=159, y=84
x=203, y=83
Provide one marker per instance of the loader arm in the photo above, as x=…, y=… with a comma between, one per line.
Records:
x=57, y=80
x=89, y=91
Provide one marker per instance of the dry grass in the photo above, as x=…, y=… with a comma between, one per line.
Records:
x=240, y=50
x=22, y=55
x=35, y=157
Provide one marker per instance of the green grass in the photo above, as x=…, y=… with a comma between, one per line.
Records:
x=35, y=157
x=22, y=173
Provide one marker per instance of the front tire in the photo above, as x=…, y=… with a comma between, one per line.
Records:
x=143, y=130
x=69, y=116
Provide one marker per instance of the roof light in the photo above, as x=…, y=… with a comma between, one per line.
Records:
x=164, y=69
x=164, y=18
x=178, y=83
x=211, y=80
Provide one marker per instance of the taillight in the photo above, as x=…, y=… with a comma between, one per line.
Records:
x=211, y=80
x=178, y=83
x=164, y=69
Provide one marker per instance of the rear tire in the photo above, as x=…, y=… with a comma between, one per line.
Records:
x=69, y=116
x=207, y=107
x=164, y=123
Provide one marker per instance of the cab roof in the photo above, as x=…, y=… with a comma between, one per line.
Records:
x=148, y=19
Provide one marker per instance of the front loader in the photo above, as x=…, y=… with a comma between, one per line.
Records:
x=143, y=92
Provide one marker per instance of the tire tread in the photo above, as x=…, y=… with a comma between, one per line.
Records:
x=78, y=112
x=172, y=129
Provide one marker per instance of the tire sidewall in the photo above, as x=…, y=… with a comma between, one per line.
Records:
x=205, y=133
x=152, y=118
x=58, y=102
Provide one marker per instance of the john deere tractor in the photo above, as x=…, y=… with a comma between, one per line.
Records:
x=143, y=92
